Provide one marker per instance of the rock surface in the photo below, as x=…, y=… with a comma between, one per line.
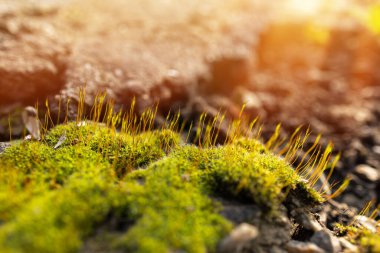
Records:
x=367, y=172
x=303, y=247
x=348, y=247
x=32, y=53
x=238, y=238
x=325, y=240
x=155, y=50
x=367, y=223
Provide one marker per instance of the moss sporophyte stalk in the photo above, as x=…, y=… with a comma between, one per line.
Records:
x=159, y=192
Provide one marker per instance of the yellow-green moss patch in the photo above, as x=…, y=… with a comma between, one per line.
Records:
x=54, y=197
x=367, y=240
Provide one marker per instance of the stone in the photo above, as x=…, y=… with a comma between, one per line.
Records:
x=366, y=222
x=273, y=236
x=367, y=172
x=3, y=146
x=31, y=122
x=158, y=50
x=325, y=240
x=376, y=150
x=237, y=239
x=32, y=55
x=303, y=247
x=306, y=220
x=61, y=140
x=348, y=247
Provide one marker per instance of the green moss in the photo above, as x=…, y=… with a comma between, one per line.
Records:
x=31, y=168
x=54, y=199
x=38, y=161
x=345, y=230
x=305, y=194
x=58, y=220
x=172, y=215
x=251, y=145
x=370, y=241
x=236, y=172
x=74, y=133
x=125, y=152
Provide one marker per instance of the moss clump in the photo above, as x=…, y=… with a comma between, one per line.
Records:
x=38, y=161
x=251, y=145
x=172, y=214
x=54, y=198
x=57, y=221
x=125, y=152
x=28, y=169
x=233, y=171
x=368, y=241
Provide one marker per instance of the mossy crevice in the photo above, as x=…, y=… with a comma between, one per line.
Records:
x=53, y=196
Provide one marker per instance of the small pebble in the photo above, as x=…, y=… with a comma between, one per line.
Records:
x=238, y=238
x=367, y=172
x=61, y=140
x=306, y=220
x=31, y=122
x=376, y=150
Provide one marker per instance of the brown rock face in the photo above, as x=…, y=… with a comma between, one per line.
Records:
x=34, y=75
x=32, y=56
x=154, y=50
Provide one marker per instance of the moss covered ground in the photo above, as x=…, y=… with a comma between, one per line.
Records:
x=367, y=238
x=159, y=190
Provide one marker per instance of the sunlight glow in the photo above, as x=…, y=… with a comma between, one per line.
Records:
x=304, y=7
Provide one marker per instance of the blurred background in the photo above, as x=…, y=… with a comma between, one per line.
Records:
x=299, y=62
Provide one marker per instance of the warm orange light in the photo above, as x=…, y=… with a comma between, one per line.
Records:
x=304, y=7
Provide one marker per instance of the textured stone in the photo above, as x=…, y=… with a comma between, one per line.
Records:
x=306, y=220
x=32, y=55
x=238, y=238
x=367, y=172
x=366, y=223
x=348, y=247
x=154, y=50
x=303, y=247
x=325, y=240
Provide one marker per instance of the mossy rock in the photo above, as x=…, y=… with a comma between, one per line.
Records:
x=159, y=190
